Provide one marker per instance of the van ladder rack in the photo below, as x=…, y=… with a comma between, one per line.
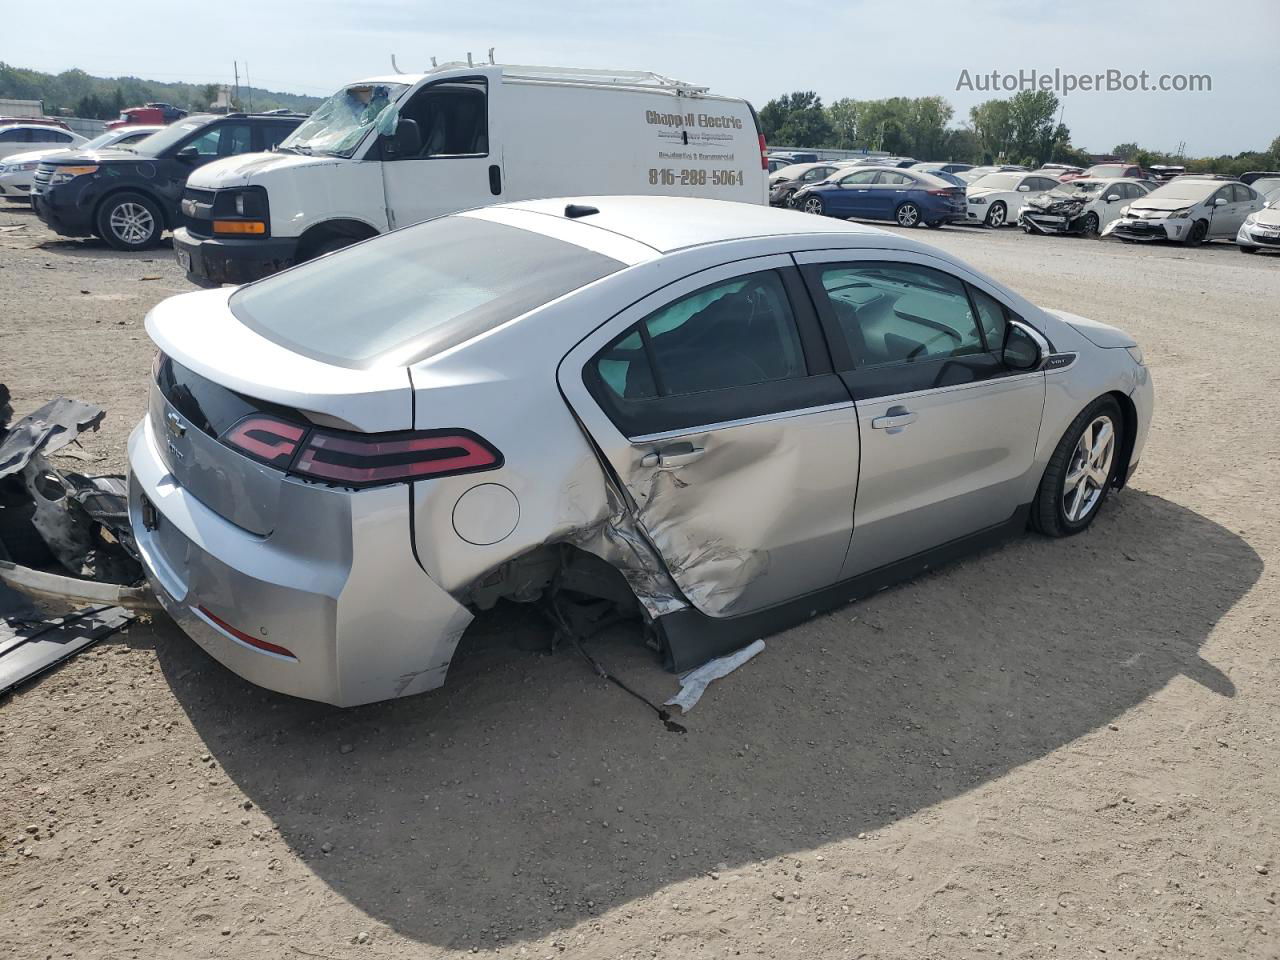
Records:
x=622, y=78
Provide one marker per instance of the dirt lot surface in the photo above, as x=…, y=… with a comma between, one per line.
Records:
x=1053, y=749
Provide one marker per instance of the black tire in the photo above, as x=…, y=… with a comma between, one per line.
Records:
x=998, y=215
x=814, y=205
x=329, y=246
x=934, y=224
x=1049, y=511
x=1091, y=224
x=130, y=221
x=907, y=215
x=1196, y=235
x=1244, y=249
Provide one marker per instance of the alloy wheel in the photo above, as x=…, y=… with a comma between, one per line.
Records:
x=1090, y=469
x=997, y=216
x=908, y=215
x=132, y=223
x=813, y=205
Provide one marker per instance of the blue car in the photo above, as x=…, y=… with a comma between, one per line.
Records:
x=907, y=197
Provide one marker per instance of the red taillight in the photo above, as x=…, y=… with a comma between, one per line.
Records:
x=266, y=439
x=945, y=192
x=362, y=460
x=764, y=154
x=246, y=638
x=359, y=459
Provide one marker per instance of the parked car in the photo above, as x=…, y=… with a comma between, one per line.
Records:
x=392, y=151
x=1080, y=206
x=996, y=199
x=977, y=173
x=37, y=121
x=1059, y=170
x=797, y=156
x=342, y=463
x=949, y=167
x=884, y=193
x=23, y=137
x=774, y=164
x=1262, y=181
x=129, y=196
x=18, y=171
x=1110, y=171
x=784, y=183
x=1189, y=210
x=153, y=113
x=1164, y=171
x=1261, y=229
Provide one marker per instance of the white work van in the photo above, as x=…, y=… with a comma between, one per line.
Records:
x=390, y=151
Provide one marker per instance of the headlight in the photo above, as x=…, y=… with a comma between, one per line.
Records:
x=1136, y=353
x=977, y=200
x=23, y=166
x=1250, y=220
x=1180, y=214
x=67, y=174
x=1124, y=211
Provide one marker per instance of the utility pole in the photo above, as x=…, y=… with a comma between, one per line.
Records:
x=248, y=86
x=235, y=104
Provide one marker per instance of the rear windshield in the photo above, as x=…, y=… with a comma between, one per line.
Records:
x=401, y=297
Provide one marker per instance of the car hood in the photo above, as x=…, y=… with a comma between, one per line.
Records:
x=986, y=192
x=1099, y=334
x=246, y=168
x=1163, y=204
x=1268, y=215
x=35, y=156
x=106, y=155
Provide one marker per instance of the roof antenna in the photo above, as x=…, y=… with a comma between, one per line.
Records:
x=491, y=55
x=433, y=63
x=393, y=64
x=469, y=63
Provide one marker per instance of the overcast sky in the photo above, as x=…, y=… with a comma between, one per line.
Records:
x=856, y=48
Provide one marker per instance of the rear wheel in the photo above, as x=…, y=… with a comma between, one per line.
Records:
x=1196, y=235
x=130, y=221
x=1081, y=471
x=812, y=205
x=998, y=214
x=907, y=215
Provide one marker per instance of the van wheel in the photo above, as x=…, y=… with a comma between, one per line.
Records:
x=998, y=214
x=907, y=215
x=1081, y=472
x=329, y=246
x=130, y=221
x=813, y=205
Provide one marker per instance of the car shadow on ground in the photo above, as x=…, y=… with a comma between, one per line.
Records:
x=527, y=795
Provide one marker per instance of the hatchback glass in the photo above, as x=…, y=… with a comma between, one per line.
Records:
x=398, y=298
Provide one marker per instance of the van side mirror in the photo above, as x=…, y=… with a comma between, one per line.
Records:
x=1024, y=348
x=405, y=142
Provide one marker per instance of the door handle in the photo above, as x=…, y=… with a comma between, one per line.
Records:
x=672, y=456
x=495, y=180
x=895, y=419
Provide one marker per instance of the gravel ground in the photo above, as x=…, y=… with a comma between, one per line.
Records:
x=1061, y=748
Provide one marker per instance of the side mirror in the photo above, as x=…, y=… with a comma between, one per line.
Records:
x=1024, y=348
x=1220, y=201
x=406, y=142
x=1024, y=188
x=1112, y=197
x=189, y=153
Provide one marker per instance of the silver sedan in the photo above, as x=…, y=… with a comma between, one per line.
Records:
x=717, y=417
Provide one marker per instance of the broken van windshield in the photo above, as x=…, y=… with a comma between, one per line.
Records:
x=341, y=122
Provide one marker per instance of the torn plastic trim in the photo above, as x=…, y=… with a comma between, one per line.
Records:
x=53, y=586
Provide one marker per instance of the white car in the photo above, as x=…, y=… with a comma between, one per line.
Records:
x=996, y=198
x=1262, y=228
x=17, y=172
x=716, y=418
x=1080, y=206
x=1188, y=210
x=21, y=137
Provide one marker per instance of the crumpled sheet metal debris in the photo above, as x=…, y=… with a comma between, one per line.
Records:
x=46, y=431
x=29, y=649
x=694, y=683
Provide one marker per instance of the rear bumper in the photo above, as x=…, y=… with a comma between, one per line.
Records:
x=335, y=586
x=212, y=261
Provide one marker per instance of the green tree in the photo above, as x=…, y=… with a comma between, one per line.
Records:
x=796, y=120
x=993, y=128
x=1032, y=130
x=843, y=118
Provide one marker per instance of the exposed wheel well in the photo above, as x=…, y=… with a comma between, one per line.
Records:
x=1130, y=413
x=317, y=236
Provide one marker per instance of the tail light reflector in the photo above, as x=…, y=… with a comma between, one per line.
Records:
x=359, y=459
x=364, y=460
x=764, y=154
x=245, y=638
